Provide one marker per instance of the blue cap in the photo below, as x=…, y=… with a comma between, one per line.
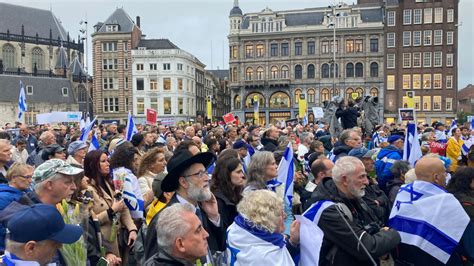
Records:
x=358, y=152
x=75, y=146
x=240, y=144
x=42, y=222
x=394, y=138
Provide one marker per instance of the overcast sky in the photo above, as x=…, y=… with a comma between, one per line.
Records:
x=194, y=24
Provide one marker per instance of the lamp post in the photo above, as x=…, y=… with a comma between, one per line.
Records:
x=86, y=68
x=333, y=15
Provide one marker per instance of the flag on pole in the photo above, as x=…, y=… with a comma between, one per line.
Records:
x=87, y=130
x=453, y=126
x=94, y=144
x=305, y=119
x=82, y=124
x=22, y=101
x=472, y=124
x=256, y=111
x=412, y=149
x=130, y=130
x=286, y=173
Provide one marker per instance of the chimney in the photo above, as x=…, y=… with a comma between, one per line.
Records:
x=138, y=21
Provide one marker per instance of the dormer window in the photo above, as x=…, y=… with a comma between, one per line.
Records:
x=112, y=28
x=29, y=90
x=65, y=91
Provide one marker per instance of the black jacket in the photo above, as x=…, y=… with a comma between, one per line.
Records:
x=341, y=150
x=269, y=144
x=162, y=259
x=382, y=209
x=392, y=187
x=348, y=117
x=227, y=209
x=216, y=239
x=340, y=246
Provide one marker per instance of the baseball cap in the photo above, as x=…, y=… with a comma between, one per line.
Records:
x=53, y=166
x=239, y=144
x=75, y=146
x=394, y=138
x=41, y=222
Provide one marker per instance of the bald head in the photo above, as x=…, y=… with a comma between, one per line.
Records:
x=431, y=169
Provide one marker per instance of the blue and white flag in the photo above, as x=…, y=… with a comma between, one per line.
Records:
x=210, y=169
x=436, y=230
x=22, y=107
x=130, y=130
x=87, y=130
x=331, y=156
x=467, y=145
x=250, y=153
x=305, y=119
x=286, y=172
x=131, y=192
x=82, y=124
x=94, y=144
x=412, y=150
x=311, y=236
x=250, y=245
x=453, y=126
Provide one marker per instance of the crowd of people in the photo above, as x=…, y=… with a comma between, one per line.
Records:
x=209, y=195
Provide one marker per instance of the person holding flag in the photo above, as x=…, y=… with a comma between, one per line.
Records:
x=131, y=129
x=22, y=107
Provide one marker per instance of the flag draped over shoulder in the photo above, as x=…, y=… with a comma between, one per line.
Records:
x=311, y=236
x=22, y=107
x=130, y=130
x=286, y=172
x=125, y=181
x=412, y=149
x=94, y=144
x=429, y=217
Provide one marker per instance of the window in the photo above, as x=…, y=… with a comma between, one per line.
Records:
x=407, y=82
x=153, y=67
x=417, y=38
x=260, y=75
x=374, y=45
x=249, y=73
x=449, y=60
x=167, y=105
x=331, y=70
x=349, y=70
x=248, y=50
x=438, y=15
x=449, y=104
x=166, y=84
x=279, y=100
x=390, y=82
x=417, y=101
x=311, y=47
x=427, y=59
x=109, y=64
x=111, y=105
x=406, y=38
x=297, y=95
x=438, y=37
x=334, y=46
x=428, y=18
x=109, y=46
x=417, y=16
x=359, y=46
x=298, y=48
x=108, y=84
x=325, y=47
x=284, y=49
x=374, y=70
x=154, y=103
x=139, y=67
x=374, y=92
x=416, y=81
x=234, y=74
x=153, y=84
x=140, y=106
x=391, y=18
x=125, y=63
x=450, y=15
x=325, y=71
x=359, y=70
x=390, y=61
x=437, y=81
x=260, y=50
x=65, y=91
x=166, y=66
x=237, y=102
x=349, y=46
x=29, y=90
x=274, y=72
x=324, y=95
x=391, y=39
x=436, y=103
x=438, y=59
x=407, y=17
x=180, y=84
x=349, y=92
x=426, y=81
x=234, y=52
x=427, y=37
x=310, y=71
x=285, y=72
x=125, y=46
x=274, y=49
x=426, y=103
x=298, y=72
x=416, y=59
x=449, y=37
x=37, y=58
x=406, y=60
x=180, y=106
x=111, y=28
x=311, y=94
x=126, y=83
x=449, y=81
x=140, y=85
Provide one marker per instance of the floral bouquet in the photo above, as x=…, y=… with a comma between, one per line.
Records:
x=76, y=253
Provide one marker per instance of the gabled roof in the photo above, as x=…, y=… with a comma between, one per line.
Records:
x=157, y=44
x=76, y=67
x=46, y=90
x=121, y=18
x=34, y=20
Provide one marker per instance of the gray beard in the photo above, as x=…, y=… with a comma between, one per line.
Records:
x=198, y=194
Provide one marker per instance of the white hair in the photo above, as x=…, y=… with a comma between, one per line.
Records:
x=345, y=166
x=263, y=208
x=171, y=225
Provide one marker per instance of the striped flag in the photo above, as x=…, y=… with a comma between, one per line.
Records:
x=22, y=107
x=453, y=126
x=412, y=149
x=130, y=130
x=94, y=144
x=87, y=130
x=286, y=173
x=127, y=182
x=472, y=124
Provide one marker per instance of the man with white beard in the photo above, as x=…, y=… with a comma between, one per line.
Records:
x=188, y=178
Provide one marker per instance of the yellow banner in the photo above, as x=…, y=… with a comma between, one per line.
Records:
x=209, y=109
x=256, y=110
x=303, y=106
x=410, y=99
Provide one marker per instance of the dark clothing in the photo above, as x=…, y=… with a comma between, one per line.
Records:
x=162, y=259
x=341, y=151
x=385, y=160
x=382, y=209
x=8, y=194
x=340, y=246
x=348, y=117
x=3, y=179
x=393, y=186
x=227, y=209
x=269, y=144
x=31, y=142
x=216, y=238
x=467, y=202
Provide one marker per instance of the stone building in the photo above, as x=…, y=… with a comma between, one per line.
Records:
x=221, y=94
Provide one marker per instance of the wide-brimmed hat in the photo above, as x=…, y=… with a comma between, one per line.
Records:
x=179, y=163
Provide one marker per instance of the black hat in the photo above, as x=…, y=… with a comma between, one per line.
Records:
x=179, y=163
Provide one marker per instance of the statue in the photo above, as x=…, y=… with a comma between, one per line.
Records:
x=370, y=106
x=335, y=127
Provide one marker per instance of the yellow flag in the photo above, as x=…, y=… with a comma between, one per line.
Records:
x=303, y=106
x=209, y=108
x=256, y=112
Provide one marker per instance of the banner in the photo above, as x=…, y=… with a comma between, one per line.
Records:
x=318, y=112
x=303, y=106
x=151, y=117
x=256, y=110
x=168, y=121
x=58, y=117
x=228, y=118
x=209, y=108
x=410, y=99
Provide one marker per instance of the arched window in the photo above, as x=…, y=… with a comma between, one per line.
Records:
x=359, y=70
x=285, y=72
x=8, y=52
x=234, y=74
x=274, y=72
x=311, y=71
x=237, y=102
x=374, y=92
x=349, y=92
x=324, y=95
x=311, y=94
x=374, y=70
x=260, y=75
x=279, y=100
x=325, y=71
x=332, y=70
x=349, y=70
x=250, y=99
x=297, y=95
x=37, y=57
x=298, y=72
x=360, y=92
x=249, y=73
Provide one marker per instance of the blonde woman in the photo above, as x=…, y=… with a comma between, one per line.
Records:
x=152, y=164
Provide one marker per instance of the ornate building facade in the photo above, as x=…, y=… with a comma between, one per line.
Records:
x=277, y=56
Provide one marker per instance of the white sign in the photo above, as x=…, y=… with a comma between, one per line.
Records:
x=318, y=112
x=168, y=121
x=58, y=117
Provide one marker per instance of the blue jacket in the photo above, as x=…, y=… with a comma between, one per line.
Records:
x=385, y=159
x=8, y=194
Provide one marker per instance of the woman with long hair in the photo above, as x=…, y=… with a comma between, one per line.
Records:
x=152, y=164
x=262, y=171
x=461, y=186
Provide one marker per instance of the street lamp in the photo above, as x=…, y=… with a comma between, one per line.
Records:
x=332, y=16
x=86, y=68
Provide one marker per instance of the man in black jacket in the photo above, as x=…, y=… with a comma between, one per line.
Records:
x=342, y=241
x=348, y=115
x=270, y=139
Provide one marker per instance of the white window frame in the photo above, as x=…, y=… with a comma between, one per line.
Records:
x=437, y=100
x=29, y=90
x=428, y=108
x=449, y=81
x=438, y=59
x=417, y=37
x=427, y=55
x=406, y=78
x=449, y=15
x=438, y=15
x=391, y=39
x=406, y=60
x=390, y=82
x=450, y=37
x=427, y=35
x=425, y=78
x=437, y=77
x=417, y=58
x=438, y=37
x=450, y=101
x=416, y=77
x=428, y=16
x=406, y=38
x=407, y=17
x=391, y=61
x=449, y=59
x=65, y=91
x=391, y=18
x=417, y=16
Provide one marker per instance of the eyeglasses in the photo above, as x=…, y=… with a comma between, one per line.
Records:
x=25, y=176
x=199, y=174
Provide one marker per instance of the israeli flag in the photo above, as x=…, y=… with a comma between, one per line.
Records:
x=436, y=230
x=210, y=169
x=130, y=130
x=286, y=172
x=82, y=124
x=305, y=119
x=94, y=144
x=412, y=150
x=311, y=236
x=87, y=130
x=127, y=183
x=331, y=156
x=22, y=107
x=453, y=126
x=467, y=145
x=250, y=153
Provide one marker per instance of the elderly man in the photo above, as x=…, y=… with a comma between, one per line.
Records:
x=350, y=139
x=189, y=133
x=32, y=143
x=346, y=220
x=77, y=151
x=182, y=239
x=305, y=141
x=270, y=139
x=47, y=138
x=188, y=178
x=36, y=234
x=5, y=157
